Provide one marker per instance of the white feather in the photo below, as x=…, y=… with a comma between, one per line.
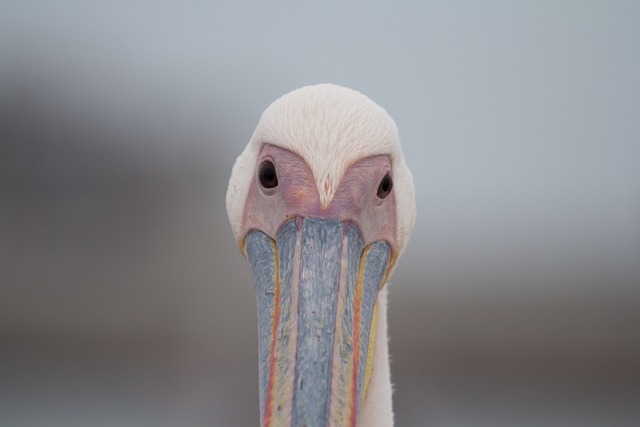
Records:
x=330, y=127
x=377, y=409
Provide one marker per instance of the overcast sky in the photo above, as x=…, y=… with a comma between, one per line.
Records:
x=520, y=121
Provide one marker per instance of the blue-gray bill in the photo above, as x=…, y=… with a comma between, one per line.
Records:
x=316, y=288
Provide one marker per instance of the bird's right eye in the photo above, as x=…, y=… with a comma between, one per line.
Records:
x=267, y=175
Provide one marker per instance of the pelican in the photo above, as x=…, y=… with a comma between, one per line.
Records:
x=321, y=204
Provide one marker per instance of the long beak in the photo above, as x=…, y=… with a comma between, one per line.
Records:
x=316, y=289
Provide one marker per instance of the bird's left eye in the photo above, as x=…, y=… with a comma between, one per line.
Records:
x=385, y=186
x=267, y=175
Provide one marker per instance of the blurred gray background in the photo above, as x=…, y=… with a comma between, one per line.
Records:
x=124, y=301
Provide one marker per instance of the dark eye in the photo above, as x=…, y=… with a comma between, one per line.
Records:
x=267, y=175
x=385, y=186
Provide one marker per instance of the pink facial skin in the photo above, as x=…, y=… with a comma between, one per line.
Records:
x=296, y=195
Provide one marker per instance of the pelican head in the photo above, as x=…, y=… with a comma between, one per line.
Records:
x=321, y=204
